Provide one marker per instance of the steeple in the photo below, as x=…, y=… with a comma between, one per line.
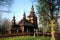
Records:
x=24, y=16
x=32, y=9
x=13, y=20
x=32, y=12
x=32, y=17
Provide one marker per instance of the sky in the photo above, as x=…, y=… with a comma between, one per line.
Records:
x=19, y=7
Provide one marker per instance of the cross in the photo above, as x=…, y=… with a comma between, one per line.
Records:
x=52, y=29
x=14, y=13
x=52, y=24
x=33, y=1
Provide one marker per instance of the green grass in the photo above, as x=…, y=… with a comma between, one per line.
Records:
x=26, y=38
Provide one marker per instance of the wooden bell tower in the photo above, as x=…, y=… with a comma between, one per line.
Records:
x=32, y=17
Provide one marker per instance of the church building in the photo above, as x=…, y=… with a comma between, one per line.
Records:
x=29, y=23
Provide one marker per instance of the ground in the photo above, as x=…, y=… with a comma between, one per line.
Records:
x=26, y=38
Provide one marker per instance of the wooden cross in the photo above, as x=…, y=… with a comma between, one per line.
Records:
x=52, y=23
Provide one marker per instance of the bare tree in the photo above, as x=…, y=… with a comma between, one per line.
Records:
x=5, y=6
x=6, y=23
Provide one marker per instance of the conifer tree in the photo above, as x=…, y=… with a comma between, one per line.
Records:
x=47, y=9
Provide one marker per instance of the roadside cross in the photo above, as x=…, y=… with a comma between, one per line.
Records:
x=52, y=24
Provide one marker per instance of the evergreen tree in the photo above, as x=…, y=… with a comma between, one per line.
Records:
x=47, y=9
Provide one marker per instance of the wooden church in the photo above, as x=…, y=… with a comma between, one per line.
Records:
x=26, y=24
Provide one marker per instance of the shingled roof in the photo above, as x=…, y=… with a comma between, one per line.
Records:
x=24, y=21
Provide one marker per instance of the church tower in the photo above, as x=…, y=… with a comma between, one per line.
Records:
x=32, y=18
x=22, y=23
x=24, y=16
x=13, y=21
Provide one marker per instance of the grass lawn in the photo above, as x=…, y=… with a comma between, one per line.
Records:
x=26, y=38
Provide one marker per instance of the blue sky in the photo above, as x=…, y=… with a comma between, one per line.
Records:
x=18, y=7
